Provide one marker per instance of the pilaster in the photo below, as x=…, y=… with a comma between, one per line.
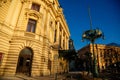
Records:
x=58, y=31
x=62, y=38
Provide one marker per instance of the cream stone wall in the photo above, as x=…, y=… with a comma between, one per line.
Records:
x=14, y=16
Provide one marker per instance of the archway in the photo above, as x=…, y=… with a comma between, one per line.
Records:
x=25, y=61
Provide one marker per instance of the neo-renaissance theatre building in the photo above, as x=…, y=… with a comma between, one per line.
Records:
x=31, y=33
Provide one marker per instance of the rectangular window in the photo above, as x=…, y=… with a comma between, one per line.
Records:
x=60, y=41
x=55, y=35
x=35, y=7
x=31, y=25
x=1, y=57
x=64, y=43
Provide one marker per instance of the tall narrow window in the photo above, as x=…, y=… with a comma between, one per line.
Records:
x=60, y=40
x=31, y=25
x=1, y=57
x=64, y=43
x=55, y=35
x=35, y=7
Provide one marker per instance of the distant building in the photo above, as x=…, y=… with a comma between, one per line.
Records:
x=72, y=61
x=71, y=45
x=31, y=33
x=105, y=55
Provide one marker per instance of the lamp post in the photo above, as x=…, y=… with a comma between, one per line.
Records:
x=92, y=35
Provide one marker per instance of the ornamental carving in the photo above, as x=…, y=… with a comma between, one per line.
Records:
x=3, y=2
x=33, y=13
x=23, y=1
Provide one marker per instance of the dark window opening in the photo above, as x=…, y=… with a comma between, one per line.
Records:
x=35, y=7
x=1, y=57
x=31, y=25
x=55, y=35
x=21, y=61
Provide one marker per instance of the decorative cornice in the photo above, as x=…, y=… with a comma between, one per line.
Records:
x=33, y=13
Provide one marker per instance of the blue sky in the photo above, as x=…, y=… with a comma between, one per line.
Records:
x=105, y=16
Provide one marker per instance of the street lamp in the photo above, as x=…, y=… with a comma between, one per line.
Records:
x=92, y=35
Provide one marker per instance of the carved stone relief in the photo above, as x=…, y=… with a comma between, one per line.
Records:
x=32, y=13
x=3, y=2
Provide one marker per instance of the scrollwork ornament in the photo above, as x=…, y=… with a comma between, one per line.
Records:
x=2, y=2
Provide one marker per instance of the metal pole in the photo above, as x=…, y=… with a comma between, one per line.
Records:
x=90, y=18
x=95, y=69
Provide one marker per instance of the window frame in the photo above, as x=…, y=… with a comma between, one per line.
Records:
x=35, y=7
x=31, y=25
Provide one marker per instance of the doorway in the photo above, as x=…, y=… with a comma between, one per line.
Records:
x=25, y=61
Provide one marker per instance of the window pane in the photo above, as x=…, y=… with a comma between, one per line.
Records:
x=33, y=28
x=31, y=25
x=35, y=7
x=28, y=27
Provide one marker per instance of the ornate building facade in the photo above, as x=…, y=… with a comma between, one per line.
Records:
x=105, y=55
x=31, y=33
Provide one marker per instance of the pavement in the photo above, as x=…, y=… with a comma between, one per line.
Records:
x=24, y=77
x=66, y=76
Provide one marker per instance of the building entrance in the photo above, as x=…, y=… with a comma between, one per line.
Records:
x=25, y=62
